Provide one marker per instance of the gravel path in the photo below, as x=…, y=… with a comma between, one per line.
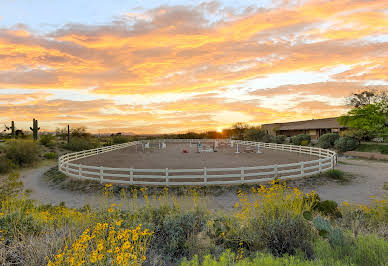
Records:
x=33, y=179
x=368, y=180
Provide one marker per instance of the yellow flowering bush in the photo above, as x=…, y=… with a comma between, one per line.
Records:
x=106, y=243
x=274, y=201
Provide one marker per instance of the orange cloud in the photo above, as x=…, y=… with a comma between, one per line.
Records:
x=178, y=50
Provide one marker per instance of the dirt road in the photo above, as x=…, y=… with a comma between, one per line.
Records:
x=368, y=180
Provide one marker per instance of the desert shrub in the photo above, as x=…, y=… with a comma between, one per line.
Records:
x=120, y=139
x=328, y=208
x=344, y=144
x=47, y=140
x=50, y=155
x=298, y=139
x=280, y=139
x=362, y=250
x=80, y=144
x=335, y=174
x=16, y=225
x=304, y=143
x=22, y=152
x=172, y=237
x=327, y=140
x=370, y=250
x=273, y=221
x=5, y=164
x=286, y=236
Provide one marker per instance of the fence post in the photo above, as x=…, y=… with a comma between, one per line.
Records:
x=131, y=175
x=101, y=174
x=302, y=169
x=332, y=162
x=320, y=166
x=276, y=171
x=166, y=176
x=242, y=175
x=205, y=175
x=311, y=150
x=79, y=171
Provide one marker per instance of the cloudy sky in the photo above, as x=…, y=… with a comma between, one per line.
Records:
x=172, y=66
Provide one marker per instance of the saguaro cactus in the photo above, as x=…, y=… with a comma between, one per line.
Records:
x=35, y=129
x=13, y=135
x=68, y=133
x=12, y=128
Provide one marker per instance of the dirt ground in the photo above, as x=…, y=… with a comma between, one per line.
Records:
x=173, y=158
x=370, y=178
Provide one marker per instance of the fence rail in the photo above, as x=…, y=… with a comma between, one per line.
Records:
x=327, y=159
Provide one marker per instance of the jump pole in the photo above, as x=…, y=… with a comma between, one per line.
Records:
x=238, y=148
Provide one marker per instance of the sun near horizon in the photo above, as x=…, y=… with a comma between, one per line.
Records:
x=178, y=66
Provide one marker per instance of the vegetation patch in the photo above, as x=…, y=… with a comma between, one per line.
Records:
x=383, y=149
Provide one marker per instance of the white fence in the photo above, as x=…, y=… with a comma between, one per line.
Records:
x=327, y=159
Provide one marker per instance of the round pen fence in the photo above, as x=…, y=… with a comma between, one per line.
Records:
x=327, y=159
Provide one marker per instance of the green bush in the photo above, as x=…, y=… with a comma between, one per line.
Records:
x=80, y=144
x=384, y=149
x=344, y=144
x=335, y=174
x=172, y=238
x=286, y=236
x=50, y=155
x=47, y=140
x=328, y=208
x=22, y=152
x=370, y=250
x=298, y=139
x=304, y=143
x=327, y=140
x=17, y=225
x=280, y=139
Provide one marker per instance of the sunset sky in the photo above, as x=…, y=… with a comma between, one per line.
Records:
x=173, y=66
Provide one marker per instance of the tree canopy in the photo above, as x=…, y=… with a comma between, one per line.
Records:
x=369, y=116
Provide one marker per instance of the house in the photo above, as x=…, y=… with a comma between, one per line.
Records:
x=315, y=128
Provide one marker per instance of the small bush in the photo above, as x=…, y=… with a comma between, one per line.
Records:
x=328, y=208
x=50, y=155
x=176, y=230
x=22, y=152
x=47, y=140
x=344, y=144
x=298, y=139
x=335, y=174
x=304, y=143
x=280, y=139
x=80, y=144
x=327, y=140
x=286, y=236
